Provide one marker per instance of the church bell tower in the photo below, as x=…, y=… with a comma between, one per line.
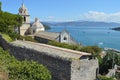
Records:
x=26, y=20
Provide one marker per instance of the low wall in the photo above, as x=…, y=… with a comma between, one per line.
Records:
x=61, y=69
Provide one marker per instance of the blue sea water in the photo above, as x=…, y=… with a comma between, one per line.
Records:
x=103, y=37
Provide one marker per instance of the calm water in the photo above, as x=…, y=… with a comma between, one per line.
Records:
x=86, y=35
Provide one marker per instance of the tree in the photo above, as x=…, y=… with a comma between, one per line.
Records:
x=108, y=61
x=8, y=21
x=0, y=6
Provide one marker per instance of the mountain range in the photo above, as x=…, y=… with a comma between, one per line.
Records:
x=82, y=23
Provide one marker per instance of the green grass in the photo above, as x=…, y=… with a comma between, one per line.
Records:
x=6, y=37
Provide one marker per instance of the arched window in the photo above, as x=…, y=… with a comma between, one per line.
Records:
x=24, y=19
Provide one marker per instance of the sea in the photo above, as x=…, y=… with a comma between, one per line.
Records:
x=102, y=36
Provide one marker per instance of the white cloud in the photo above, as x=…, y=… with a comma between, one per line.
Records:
x=51, y=17
x=57, y=19
x=101, y=16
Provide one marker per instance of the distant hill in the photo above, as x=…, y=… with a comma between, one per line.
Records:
x=117, y=28
x=82, y=23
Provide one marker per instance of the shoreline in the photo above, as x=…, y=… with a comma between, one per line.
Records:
x=112, y=49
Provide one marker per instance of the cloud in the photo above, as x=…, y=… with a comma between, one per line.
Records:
x=101, y=16
x=51, y=17
x=57, y=19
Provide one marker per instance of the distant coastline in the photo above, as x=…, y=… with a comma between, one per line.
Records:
x=82, y=23
x=116, y=29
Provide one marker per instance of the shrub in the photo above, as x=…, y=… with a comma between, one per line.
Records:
x=28, y=71
x=105, y=78
x=23, y=70
x=64, y=45
x=94, y=50
x=13, y=35
x=27, y=38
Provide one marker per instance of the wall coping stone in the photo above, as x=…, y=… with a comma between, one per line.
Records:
x=50, y=50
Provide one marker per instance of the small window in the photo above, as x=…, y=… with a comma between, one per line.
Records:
x=33, y=31
x=24, y=19
x=64, y=38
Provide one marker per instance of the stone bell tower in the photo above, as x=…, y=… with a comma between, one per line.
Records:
x=26, y=20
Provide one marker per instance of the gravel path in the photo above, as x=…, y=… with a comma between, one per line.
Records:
x=51, y=50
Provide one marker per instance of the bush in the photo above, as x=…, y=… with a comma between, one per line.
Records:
x=27, y=38
x=13, y=35
x=64, y=45
x=94, y=50
x=23, y=70
x=28, y=71
x=105, y=78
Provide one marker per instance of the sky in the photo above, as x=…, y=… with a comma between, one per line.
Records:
x=67, y=10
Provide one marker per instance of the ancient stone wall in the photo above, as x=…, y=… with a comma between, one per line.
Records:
x=84, y=69
x=61, y=69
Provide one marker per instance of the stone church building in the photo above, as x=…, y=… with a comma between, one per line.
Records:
x=37, y=30
x=26, y=28
x=62, y=37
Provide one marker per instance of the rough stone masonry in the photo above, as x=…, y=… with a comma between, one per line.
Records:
x=64, y=64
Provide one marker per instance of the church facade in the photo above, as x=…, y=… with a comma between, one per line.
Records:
x=26, y=28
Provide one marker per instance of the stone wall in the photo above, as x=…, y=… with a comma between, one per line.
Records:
x=61, y=69
x=84, y=69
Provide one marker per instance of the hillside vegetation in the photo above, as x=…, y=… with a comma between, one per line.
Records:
x=7, y=23
x=21, y=70
x=10, y=67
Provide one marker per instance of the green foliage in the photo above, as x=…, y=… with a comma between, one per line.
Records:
x=0, y=6
x=105, y=78
x=23, y=70
x=117, y=75
x=29, y=71
x=27, y=38
x=95, y=50
x=6, y=37
x=64, y=45
x=8, y=21
x=13, y=35
x=108, y=63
